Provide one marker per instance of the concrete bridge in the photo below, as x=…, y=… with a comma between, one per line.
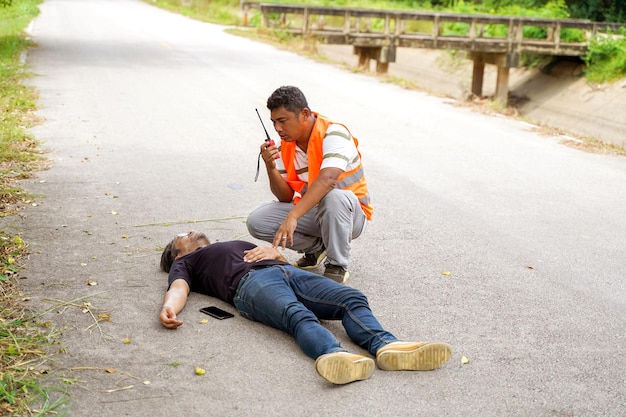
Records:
x=376, y=35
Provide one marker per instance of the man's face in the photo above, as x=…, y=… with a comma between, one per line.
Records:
x=289, y=126
x=188, y=242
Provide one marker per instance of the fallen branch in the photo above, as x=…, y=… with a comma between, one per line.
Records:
x=216, y=219
x=62, y=303
x=85, y=307
x=99, y=368
x=119, y=389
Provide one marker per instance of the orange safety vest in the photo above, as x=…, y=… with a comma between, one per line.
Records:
x=353, y=180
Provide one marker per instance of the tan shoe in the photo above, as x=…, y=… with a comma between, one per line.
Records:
x=344, y=367
x=411, y=356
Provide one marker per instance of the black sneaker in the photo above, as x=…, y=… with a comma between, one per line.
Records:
x=311, y=260
x=336, y=273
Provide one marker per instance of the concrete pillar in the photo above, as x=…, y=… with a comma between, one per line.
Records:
x=502, y=85
x=382, y=67
x=364, y=62
x=477, y=76
x=367, y=53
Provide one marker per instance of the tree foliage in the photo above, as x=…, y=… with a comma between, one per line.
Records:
x=606, y=59
x=596, y=10
x=599, y=10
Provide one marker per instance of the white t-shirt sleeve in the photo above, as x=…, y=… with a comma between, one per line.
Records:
x=339, y=149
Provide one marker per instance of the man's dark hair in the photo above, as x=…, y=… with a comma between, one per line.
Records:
x=167, y=257
x=289, y=97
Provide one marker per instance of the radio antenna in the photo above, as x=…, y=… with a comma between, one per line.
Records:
x=266, y=134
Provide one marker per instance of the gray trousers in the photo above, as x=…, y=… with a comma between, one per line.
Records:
x=332, y=224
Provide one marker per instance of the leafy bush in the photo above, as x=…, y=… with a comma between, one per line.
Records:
x=606, y=58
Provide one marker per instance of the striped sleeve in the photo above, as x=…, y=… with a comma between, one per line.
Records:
x=339, y=149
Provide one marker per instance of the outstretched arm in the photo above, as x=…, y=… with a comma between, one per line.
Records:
x=173, y=303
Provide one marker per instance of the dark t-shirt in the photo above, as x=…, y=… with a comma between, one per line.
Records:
x=216, y=269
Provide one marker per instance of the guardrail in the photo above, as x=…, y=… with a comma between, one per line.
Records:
x=375, y=34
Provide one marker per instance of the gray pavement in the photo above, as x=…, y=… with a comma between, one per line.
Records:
x=151, y=130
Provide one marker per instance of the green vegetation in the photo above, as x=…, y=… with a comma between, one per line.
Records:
x=23, y=340
x=224, y=12
x=17, y=149
x=23, y=343
x=598, y=10
x=606, y=59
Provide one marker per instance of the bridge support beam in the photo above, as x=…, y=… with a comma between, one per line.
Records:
x=504, y=62
x=478, y=74
x=502, y=85
x=383, y=55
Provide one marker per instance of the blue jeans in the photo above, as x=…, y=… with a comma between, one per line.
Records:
x=294, y=300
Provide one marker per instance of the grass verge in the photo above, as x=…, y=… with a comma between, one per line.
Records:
x=23, y=340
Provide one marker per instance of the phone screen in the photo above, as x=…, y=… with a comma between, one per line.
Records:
x=216, y=312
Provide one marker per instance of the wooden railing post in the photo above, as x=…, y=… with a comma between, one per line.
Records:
x=557, y=36
x=305, y=23
x=246, y=9
x=400, y=26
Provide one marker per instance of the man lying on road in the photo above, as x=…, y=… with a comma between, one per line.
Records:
x=264, y=287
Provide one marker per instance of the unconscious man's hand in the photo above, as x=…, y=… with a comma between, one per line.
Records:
x=168, y=318
x=261, y=253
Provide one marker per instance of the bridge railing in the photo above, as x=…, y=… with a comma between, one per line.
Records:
x=489, y=39
x=426, y=29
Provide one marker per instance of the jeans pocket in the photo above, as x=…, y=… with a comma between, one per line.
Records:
x=240, y=304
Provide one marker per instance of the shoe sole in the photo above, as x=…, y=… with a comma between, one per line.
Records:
x=320, y=259
x=338, y=279
x=423, y=358
x=343, y=369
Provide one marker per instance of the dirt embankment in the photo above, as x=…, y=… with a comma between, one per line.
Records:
x=556, y=97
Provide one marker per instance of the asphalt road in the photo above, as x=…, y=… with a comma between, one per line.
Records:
x=151, y=130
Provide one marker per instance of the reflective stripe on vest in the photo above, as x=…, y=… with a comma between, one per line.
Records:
x=353, y=180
